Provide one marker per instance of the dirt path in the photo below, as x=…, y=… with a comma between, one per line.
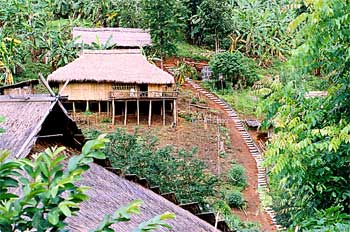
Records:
x=254, y=211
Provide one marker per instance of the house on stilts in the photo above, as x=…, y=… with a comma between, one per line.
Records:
x=35, y=122
x=119, y=82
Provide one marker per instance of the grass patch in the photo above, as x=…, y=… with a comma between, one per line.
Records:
x=193, y=52
x=243, y=101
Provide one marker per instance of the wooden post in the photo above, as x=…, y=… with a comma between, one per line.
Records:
x=99, y=108
x=126, y=113
x=175, y=113
x=74, y=110
x=108, y=109
x=113, y=112
x=163, y=112
x=87, y=107
x=150, y=113
x=138, y=111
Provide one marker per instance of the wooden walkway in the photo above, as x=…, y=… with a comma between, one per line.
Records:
x=253, y=148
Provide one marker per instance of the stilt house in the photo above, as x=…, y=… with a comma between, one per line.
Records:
x=120, y=82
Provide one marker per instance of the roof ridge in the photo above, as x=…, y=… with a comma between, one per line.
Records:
x=112, y=29
x=111, y=52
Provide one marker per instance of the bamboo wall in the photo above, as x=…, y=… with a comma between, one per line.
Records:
x=87, y=91
x=19, y=91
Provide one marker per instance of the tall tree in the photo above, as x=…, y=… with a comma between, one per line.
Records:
x=309, y=154
x=162, y=17
x=213, y=19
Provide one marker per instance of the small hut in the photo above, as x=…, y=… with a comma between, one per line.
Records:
x=21, y=88
x=118, y=37
x=32, y=118
x=119, y=82
x=39, y=121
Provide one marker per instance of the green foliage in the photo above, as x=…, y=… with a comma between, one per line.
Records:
x=48, y=194
x=235, y=68
x=193, y=52
x=237, y=176
x=162, y=18
x=331, y=219
x=2, y=119
x=183, y=71
x=212, y=21
x=179, y=172
x=233, y=221
x=235, y=199
x=260, y=28
x=308, y=156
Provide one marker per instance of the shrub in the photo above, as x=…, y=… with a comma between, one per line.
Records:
x=235, y=68
x=237, y=176
x=235, y=199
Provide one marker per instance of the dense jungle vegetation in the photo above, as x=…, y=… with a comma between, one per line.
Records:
x=269, y=53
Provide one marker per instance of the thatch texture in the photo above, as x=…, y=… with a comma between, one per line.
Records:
x=28, y=118
x=109, y=192
x=118, y=66
x=121, y=37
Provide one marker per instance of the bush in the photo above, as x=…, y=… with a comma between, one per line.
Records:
x=237, y=176
x=235, y=67
x=235, y=199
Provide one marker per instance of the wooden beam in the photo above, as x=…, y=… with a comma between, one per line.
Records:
x=63, y=88
x=175, y=113
x=163, y=112
x=113, y=112
x=138, y=111
x=87, y=107
x=42, y=79
x=108, y=113
x=50, y=136
x=74, y=110
x=126, y=113
x=150, y=113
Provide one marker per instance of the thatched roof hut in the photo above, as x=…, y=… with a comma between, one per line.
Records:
x=34, y=122
x=121, y=37
x=118, y=66
x=32, y=117
x=22, y=88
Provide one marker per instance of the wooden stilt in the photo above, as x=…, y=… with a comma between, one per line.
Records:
x=113, y=112
x=74, y=110
x=175, y=113
x=108, y=109
x=138, y=111
x=99, y=108
x=163, y=112
x=87, y=107
x=126, y=113
x=150, y=113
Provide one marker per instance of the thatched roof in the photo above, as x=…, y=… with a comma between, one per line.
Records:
x=29, y=117
x=118, y=66
x=109, y=192
x=20, y=84
x=122, y=37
